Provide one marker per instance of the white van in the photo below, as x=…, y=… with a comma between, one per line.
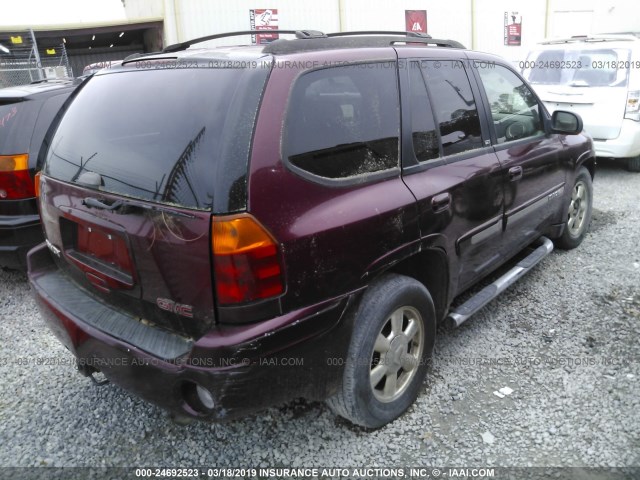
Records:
x=598, y=77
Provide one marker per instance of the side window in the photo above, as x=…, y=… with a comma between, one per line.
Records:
x=454, y=105
x=426, y=144
x=514, y=109
x=344, y=121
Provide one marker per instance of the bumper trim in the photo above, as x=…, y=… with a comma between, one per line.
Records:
x=59, y=290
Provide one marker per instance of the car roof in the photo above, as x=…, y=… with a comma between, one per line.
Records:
x=36, y=88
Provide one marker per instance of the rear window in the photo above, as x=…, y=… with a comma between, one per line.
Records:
x=17, y=120
x=603, y=67
x=344, y=121
x=160, y=135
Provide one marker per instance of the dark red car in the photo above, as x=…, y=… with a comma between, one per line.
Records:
x=26, y=112
x=231, y=228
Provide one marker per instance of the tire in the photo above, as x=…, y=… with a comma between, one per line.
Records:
x=633, y=164
x=400, y=309
x=578, y=213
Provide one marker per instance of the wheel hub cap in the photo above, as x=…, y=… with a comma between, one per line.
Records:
x=396, y=354
x=398, y=350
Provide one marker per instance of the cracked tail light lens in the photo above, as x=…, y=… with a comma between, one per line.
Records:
x=15, y=181
x=246, y=260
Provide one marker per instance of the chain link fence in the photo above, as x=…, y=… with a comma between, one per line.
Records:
x=22, y=62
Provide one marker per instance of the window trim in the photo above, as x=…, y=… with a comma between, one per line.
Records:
x=542, y=112
x=409, y=120
x=354, y=180
x=410, y=162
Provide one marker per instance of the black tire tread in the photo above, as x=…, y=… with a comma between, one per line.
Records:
x=566, y=241
x=344, y=402
x=633, y=164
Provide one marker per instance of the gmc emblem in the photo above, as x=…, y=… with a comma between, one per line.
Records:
x=171, y=306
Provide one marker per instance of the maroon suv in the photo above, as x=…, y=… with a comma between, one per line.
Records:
x=230, y=228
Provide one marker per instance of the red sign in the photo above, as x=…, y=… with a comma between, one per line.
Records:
x=416, y=20
x=264, y=19
x=512, y=28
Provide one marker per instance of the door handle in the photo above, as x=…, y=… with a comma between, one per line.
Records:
x=515, y=174
x=441, y=202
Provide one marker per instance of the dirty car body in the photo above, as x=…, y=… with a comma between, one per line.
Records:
x=219, y=217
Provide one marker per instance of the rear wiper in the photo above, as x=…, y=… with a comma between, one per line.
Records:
x=124, y=207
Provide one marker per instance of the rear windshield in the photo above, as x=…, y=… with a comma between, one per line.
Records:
x=600, y=67
x=160, y=135
x=16, y=126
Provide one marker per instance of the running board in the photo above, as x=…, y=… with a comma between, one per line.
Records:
x=488, y=293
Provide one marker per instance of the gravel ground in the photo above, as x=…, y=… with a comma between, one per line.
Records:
x=564, y=339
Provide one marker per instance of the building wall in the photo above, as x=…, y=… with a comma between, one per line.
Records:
x=477, y=24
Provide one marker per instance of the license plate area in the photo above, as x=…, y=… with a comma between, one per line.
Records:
x=102, y=254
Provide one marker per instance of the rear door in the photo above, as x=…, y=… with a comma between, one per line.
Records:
x=450, y=167
x=129, y=184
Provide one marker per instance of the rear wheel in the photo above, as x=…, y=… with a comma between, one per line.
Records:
x=392, y=342
x=579, y=211
x=633, y=164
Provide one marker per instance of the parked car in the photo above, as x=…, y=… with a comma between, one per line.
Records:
x=598, y=77
x=25, y=115
x=230, y=228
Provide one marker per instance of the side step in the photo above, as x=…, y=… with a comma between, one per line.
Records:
x=488, y=293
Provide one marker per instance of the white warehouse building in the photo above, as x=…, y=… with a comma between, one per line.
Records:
x=477, y=24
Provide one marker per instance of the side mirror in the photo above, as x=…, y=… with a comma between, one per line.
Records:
x=568, y=123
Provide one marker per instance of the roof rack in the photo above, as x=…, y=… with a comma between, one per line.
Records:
x=370, y=38
x=379, y=32
x=300, y=34
x=52, y=80
x=364, y=39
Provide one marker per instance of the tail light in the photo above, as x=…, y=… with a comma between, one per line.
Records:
x=36, y=184
x=15, y=181
x=632, y=111
x=246, y=260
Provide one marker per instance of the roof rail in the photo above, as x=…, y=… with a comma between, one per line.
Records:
x=380, y=32
x=366, y=39
x=300, y=34
x=52, y=80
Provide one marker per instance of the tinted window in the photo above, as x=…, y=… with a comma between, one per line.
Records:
x=426, y=145
x=344, y=121
x=158, y=135
x=514, y=109
x=454, y=105
x=17, y=120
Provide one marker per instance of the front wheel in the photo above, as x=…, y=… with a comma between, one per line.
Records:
x=579, y=211
x=391, y=345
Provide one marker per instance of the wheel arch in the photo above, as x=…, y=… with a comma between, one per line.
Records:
x=590, y=164
x=431, y=268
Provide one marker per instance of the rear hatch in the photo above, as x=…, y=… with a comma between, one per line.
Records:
x=591, y=81
x=138, y=164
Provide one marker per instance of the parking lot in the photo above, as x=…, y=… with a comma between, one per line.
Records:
x=564, y=340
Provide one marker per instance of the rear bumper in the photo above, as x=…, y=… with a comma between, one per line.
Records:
x=625, y=145
x=18, y=235
x=244, y=367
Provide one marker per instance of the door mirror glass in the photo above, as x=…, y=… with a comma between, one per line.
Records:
x=568, y=123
